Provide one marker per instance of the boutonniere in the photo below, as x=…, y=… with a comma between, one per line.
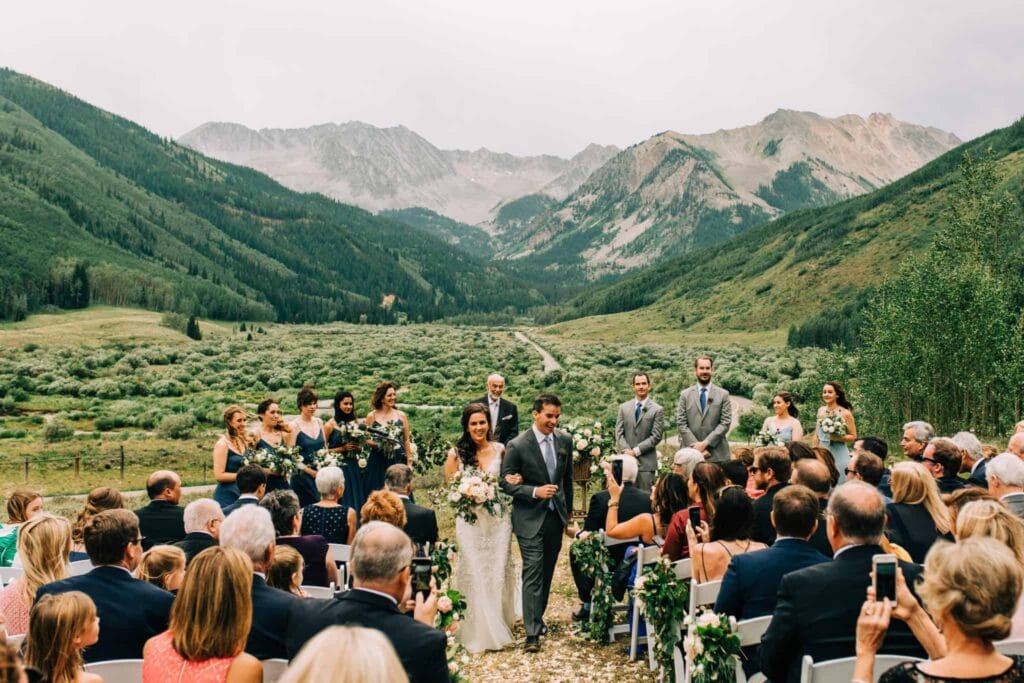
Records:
x=710, y=400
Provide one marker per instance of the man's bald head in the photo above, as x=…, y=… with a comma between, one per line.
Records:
x=165, y=485
x=1016, y=445
x=814, y=475
x=856, y=515
x=380, y=553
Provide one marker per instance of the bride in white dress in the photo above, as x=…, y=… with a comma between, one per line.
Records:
x=484, y=573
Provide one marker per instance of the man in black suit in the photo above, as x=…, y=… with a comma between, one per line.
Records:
x=1006, y=481
x=131, y=611
x=251, y=531
x=771, y=472
x=420, y=522
x=632, y=503
x=817, y=607
x=203, y=518
x=252, y=484
x=972, y=459
x=381, y=559
x=815, y=476
x=504, y=414
x=162, y=521
x=941, y=457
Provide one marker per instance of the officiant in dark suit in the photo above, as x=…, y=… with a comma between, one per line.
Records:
x=704, y=414
x=638, y=430
x=504, y=414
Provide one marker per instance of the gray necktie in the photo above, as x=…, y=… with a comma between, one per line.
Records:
x=549, y=456
x=494, y=415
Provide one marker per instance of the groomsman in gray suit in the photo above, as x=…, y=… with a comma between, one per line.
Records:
x=704, y=414
x=638, y=430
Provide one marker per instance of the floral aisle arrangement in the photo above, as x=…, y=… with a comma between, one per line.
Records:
x=664, y=600
x=591, y=554
x=281, y=460
x=451, y=605
x=832, y=425
x=471, y=491
x=712, y=647
x=590, y=442
x=768, y=437
x=442, y=555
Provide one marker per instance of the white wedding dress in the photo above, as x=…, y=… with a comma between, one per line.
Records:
x=487, y=577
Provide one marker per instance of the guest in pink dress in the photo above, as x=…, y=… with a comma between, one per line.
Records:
x=210, y=623
x=44, y=544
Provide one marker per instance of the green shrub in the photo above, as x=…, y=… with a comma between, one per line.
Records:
x=57, y=430
x=177, y=426
x=750, y=422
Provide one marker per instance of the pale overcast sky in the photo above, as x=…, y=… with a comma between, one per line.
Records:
x=527, y=76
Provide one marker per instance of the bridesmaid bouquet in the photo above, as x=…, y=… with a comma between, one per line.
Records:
x=473, y=490
x=832, y=425
x=352, y=432
x=325, y=458
x=768, y=437
x=282, y=460
x=388, y=435
x=590, y=442
x=712, y=647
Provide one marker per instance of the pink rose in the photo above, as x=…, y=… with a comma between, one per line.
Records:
x=444, y=604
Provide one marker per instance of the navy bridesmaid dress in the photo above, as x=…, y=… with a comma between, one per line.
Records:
x=303, y=484
x=355, y=488
x=275, y=482
x=226, y=494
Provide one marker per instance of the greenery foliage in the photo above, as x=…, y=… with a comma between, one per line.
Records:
x=594, y=561
x=665, y=601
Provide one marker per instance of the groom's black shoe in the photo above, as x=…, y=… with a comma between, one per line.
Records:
x=533, y=643
x=582, y=614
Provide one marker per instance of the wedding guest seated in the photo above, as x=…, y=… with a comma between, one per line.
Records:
x=99, y=499
x=327, y=658
x=383, y=506
x=163, y=520
x=285, y=573
x=702, y=487
x=251, y=481
x=251, y=531
x=1005, y=474
x=916, y=517
x=815, y=475
x=942, y=459
x=745, y=454
x=751, y=582
x=958, y=499
x=203, y=518
x=991, y=519
x=870, y=469
x=12, y=669
x=877, y=447
x=163, y=566
x=132, y=611
x=728, y=535
x=817, y=607
x=60, y=627
x=967, y=623
x=684, y=460
x=825, y=457
x=735, y=473
x=420, y=522
x=209, y=624
x=771, y=471
x=320, y=569
x=1016, y=444
x=972, y=458
x=328, y=517
x=381, y=572
x=626, y=502
x=22, y=505
x=43, y=545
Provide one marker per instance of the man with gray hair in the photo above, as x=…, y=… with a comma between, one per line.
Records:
x=916, y=436
x=685, y=460
x=817, y=607
x=1016, y=445
x=381, y=574
x=420, y=522
x=972, y=460
x=203, y=518
x=1005, y=474
x=504, y=414
x=250, y=530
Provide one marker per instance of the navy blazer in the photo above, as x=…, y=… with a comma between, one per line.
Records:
x=270, y=612
x=751, y=583
x=978, y=477
x=130, y=611
x=420, y=647
x=195, y=543
x=764, y=532
x=420, y=522
x=161, y=522
x=228, y=509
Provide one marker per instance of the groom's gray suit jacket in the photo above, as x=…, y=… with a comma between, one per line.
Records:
x=523, y=456
x=712, y=425
x=644, y=435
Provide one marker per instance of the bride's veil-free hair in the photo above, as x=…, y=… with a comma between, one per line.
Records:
x=465, y=447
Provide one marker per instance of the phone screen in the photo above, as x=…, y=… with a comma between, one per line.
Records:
x=695, y=518
x=617, y=471
x=885, y=581
x=421, y=570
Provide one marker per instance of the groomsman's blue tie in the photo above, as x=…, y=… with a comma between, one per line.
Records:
x=639, y=409
x=703, y=399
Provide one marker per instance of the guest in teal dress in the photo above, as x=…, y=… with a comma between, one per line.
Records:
x=309, y=438
x=836, y=403
x=227, y=455
x=273, y=432
x=345, y=414
x=784, y=421
x=384, y=454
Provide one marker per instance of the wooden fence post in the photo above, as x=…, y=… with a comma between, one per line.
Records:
x=122, y=463
x=78, y=465
x=26, y=469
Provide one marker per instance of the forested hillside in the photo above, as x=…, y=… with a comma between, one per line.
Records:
x=94, y=208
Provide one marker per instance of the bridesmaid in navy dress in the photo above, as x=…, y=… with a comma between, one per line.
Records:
x=384, y=411
x=227, y=455
x=272, y=433
x=309, y=437
x=344, y=412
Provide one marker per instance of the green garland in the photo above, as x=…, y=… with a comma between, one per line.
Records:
x=592, y=556
x=665, y=601
x=712, y=647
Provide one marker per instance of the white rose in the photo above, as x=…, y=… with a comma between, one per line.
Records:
x=580, y=444
x=587, y=433
x=707, y=618
x=454, y=496
x=595, y=451
x=597, y=425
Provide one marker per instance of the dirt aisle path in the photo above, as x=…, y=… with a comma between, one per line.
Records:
x=550, y=364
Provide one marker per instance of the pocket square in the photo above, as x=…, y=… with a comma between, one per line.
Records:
x=507, y=417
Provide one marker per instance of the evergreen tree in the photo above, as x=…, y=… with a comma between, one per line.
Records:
x=192, y=328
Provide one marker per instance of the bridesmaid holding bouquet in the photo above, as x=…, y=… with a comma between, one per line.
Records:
x=341, y=441
x=309, y=438
x=835, y=427
x=386, y=452
x=273, y=432
x=227, y=455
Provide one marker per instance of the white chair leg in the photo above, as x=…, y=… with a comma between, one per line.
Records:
x=634, y=632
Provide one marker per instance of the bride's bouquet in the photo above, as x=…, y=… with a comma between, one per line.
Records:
x=281, y=460
x=472, y=491
x=768, y=437
x=590, y=441
x=832, y=425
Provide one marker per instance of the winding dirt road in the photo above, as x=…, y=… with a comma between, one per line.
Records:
x=550, y=364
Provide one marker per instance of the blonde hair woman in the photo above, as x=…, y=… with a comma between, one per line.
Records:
x=99, y=499
x=60, y=627
x=44, y=543
x=210, y=623
x=917, y=516
x=328, y=658
x=163, y=566
x=228, y=454
x=992, y=519
x=22, y=505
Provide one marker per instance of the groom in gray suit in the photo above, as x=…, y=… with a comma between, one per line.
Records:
x=541, y=504
x=638, y=430
x=704, y=414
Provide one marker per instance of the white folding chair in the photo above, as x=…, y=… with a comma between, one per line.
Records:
x=342, y=554
x=273, y=669
x=750, y=632
x=15, y=640
x=683, y=569
x=703, y=594
x=8, y=574
x=1011, y=648
x=645, y=556
x=319, y=591
x=117, y=670
x=618, y=629
x=841, y=670
x=79, y=567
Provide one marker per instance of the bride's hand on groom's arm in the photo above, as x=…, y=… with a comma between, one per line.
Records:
x=514, y=479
